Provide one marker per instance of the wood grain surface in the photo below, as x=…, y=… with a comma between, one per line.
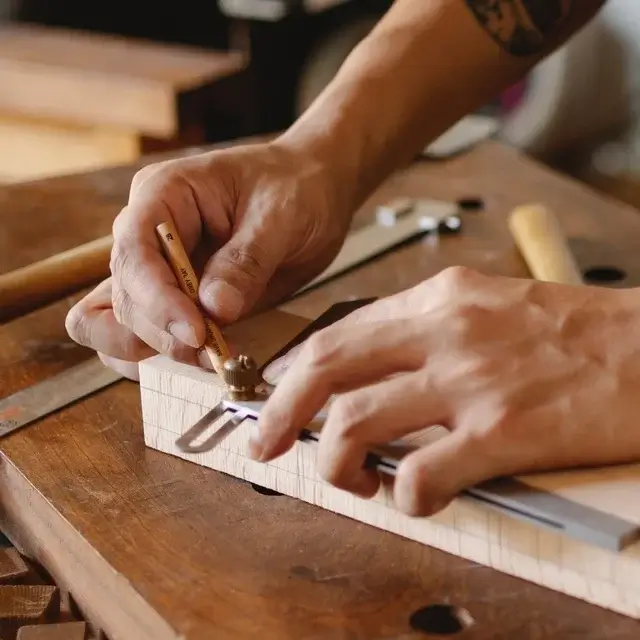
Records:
x=155, y=547
x=33, y=607
x=92, y=79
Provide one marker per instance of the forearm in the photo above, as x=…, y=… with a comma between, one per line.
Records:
x=425, y=65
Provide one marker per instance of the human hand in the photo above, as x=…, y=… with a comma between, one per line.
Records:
x=523, y=375
x=258, y=222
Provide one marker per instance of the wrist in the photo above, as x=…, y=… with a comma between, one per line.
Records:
x=317, y=141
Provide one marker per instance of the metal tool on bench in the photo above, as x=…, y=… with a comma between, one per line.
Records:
x=35, y=402
x=396, y=222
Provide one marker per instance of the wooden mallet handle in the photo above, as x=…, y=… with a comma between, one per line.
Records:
x=40, y=283
x=538, y=236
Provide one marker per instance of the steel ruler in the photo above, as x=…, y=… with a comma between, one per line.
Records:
x=41, y=399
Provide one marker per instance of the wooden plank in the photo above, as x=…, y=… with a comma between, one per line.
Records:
x=138, y=535
x=13, y=568
x=26, y=604
x=33, y=148
x=94, y=79
x=63, y=631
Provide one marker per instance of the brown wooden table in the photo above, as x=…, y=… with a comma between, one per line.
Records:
x=155, y=548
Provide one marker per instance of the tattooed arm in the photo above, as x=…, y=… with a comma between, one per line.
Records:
x=530, y=27
x=425, y=65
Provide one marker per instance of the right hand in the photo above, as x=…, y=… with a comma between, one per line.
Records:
x=258, y=221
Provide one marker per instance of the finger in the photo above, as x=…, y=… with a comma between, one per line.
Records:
x=276, y=369
x=429, y=478
x=128, y=314
x=139, y=267
x=236, y=276
x=92, y=323
x=205, y=361
x=127, y=369
x=370, y=418
x=332, y=361
x=422, y=298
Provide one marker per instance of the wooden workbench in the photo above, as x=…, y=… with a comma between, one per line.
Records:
x=156, y=548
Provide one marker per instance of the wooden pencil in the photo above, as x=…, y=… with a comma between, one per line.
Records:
x=215, y=344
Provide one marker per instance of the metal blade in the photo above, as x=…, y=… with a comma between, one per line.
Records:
x=26, y=406
x=184, y=442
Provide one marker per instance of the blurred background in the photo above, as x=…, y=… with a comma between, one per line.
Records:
x=86, y=85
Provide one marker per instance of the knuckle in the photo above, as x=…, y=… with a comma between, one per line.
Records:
x=319, y=348
x=121, y=263
x=349, y=412
x=158, y=172
x=471, y=322
x=120, y=228
x=122, y=307
x=248, y=261
x=457, y=277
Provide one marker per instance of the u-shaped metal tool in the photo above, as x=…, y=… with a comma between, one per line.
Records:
x=237, y=411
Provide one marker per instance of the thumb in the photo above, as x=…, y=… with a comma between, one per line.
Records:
x=236, y=276
x=429, y=478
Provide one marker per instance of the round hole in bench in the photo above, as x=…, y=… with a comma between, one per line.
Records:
x=604, y=274
x=264, y=490
x=471, y=204
x=441, y=619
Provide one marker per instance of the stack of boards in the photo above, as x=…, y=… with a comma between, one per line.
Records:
x=574, y=532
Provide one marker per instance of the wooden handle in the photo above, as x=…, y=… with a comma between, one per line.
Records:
x=38, y=284
x=175, y=253
x=537, y=233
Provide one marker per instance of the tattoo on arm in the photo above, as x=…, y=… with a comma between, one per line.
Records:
x=524, y=27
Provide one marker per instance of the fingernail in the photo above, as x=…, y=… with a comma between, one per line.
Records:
x=204, y=360
x=223, y=300
x=256, y=448
x=184, y=332
x=276, y=370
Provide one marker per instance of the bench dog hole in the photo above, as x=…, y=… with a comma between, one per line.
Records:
x=264, y=491
x=441, y=619
x=471, y=204
x=604, y=274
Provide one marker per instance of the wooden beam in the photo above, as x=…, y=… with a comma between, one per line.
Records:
x=87, y=79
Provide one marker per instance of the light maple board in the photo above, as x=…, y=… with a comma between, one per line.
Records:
x=175, y=396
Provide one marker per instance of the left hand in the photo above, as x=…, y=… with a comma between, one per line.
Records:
x=524, y=375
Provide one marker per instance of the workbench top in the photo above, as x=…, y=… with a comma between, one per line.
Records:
x=156, y=548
